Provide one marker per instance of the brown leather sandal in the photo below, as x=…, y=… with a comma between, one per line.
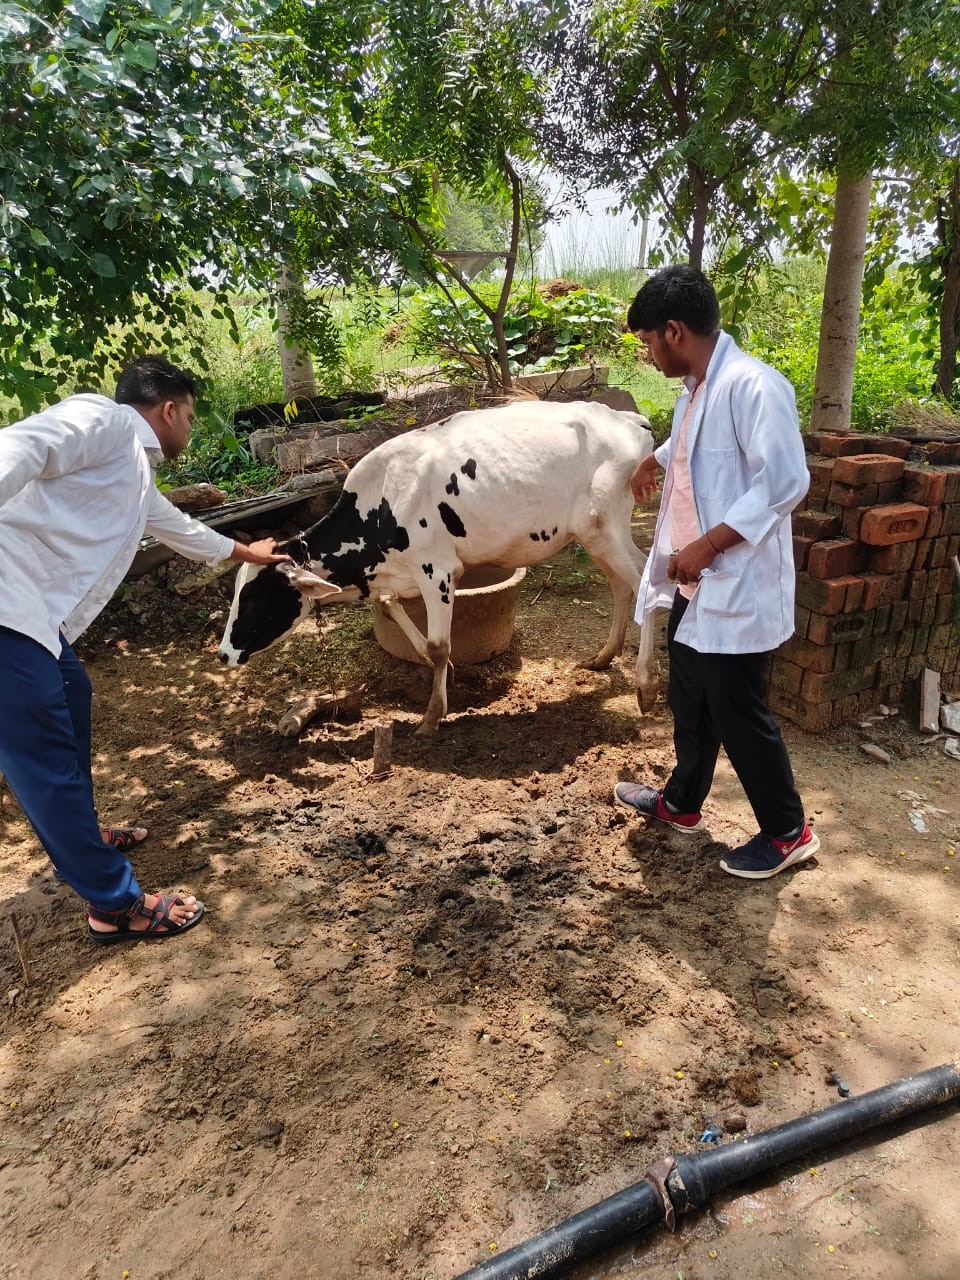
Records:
x=160, y=925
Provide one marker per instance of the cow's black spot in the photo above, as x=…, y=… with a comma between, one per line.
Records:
x=469, y=468
x=545, y=537
x=535, y=537
x=350, y=546
x=267, y=608
x=427, y=569
x=451, y=521
x=444, y=597
x=453, y=487
x=423, y=523
x=554, y=530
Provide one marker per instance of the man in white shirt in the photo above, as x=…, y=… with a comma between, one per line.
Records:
x=77, y=494
x=722, y=560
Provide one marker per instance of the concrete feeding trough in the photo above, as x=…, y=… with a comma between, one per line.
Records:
x=484, y=612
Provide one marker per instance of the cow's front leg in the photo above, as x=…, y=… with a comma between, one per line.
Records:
x=438, y=598
x=395, y=611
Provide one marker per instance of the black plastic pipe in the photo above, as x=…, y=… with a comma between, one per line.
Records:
x=689, y=1181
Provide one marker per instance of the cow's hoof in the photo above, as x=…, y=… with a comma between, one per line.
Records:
x=426, y=730
x=599, y=663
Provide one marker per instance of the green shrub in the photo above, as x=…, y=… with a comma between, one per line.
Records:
x=542, y=334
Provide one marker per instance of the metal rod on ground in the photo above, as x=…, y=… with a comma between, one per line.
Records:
x=21, y=950
x=689, y=1181
x=382, y=750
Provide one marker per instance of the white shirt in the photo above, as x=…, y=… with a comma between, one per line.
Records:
x=77, y=494
x=748, y=470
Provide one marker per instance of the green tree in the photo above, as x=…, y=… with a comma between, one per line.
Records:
x=148, y=145
x=878, y=100
x=675, y=104
x=452, y=101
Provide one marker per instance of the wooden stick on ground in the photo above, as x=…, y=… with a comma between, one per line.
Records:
x=955, y=566
x=342, y=705
x=382, y=750
x=21, y=950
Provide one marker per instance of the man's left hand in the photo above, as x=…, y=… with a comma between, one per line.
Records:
x=262, y=552
x=687, y=564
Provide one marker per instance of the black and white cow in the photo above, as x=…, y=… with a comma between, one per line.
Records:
x=507, y=486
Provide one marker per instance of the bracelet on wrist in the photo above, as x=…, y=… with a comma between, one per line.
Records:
x=712, y=543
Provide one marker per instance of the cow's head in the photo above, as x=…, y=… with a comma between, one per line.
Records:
x=267, y=605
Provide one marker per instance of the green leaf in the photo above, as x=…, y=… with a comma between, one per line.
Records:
x=103, y=265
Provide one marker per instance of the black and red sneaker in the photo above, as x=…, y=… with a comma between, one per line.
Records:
x=765, y=856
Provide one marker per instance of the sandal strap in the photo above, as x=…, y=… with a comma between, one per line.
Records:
x=159, y=916
x=120, y=918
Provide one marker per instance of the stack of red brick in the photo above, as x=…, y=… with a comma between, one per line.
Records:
x=877, y=597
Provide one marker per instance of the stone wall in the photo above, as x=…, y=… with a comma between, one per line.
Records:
x=877, y=596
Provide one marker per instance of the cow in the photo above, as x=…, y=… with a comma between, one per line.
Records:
x=507, y=486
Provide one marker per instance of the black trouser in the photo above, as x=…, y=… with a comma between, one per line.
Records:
x=720, y=699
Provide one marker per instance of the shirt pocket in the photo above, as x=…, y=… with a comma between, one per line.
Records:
x=716, y=474
x=729, y=595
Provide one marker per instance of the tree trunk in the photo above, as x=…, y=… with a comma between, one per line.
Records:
x=837, y=353
x=701, y=210
x=296, y=364
x=516, y=223
x=949, y=220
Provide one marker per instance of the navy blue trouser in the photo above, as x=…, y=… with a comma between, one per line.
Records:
x=45, y=757
x=720, y=699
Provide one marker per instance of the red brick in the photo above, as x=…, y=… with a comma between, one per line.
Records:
x=867, y=468
x=947, y=608
x=925, y=485
x=892, y=446
x=899, y=522
x=850, y=522
x=952, y=522
x=894, y=559
x=786, y=675
x=872, y=650
x=829, y=595
x=935, y=521
x=839, y=628
x=818, y=687
x=881, y=589
x=922, y=552
x=815, y=524
x=843, y=446
x=808, y=656
x=801, y=548
x=944, y=453
x=812, y=716
x=952, y=491
x=845, y=495
x=820, y=470
x=839, y=444
x=938, y=553
x=835, y=557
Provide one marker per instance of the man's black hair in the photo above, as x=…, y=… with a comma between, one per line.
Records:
x=150, y=380
x=679, y=293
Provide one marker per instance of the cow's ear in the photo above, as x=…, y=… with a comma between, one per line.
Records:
x=308, y=583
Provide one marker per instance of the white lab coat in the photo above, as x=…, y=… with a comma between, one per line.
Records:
x=748, y=470
x=77, y=494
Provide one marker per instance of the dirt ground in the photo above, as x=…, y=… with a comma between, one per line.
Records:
x=434, y=1014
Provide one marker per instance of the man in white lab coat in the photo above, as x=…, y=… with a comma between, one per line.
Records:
x=77, y=494
x=722, y=561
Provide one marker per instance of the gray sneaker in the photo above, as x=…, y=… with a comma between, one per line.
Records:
x=641, y=799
